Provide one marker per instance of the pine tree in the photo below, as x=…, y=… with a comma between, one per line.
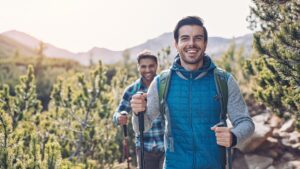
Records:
x=164, y=60
x=278, y=43
x=83, y=116
x=20, y=142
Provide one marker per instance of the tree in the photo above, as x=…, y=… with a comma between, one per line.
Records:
x=83, y=119
x=164, y=58
x=21, y=145
x=25, y=103
x=278, y=44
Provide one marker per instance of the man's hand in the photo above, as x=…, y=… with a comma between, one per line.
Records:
x=223, y=135
x=138, y=103
x=122, y=120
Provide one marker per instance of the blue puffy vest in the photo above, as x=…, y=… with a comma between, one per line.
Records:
x=193, y=109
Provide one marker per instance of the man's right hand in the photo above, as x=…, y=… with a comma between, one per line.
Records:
x=138, y=103
x=122, y=120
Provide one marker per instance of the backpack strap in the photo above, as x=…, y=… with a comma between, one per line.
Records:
x=163, y=82
x=163, y=86
x=221, y=78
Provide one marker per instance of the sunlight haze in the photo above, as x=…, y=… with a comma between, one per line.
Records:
x=79, y=25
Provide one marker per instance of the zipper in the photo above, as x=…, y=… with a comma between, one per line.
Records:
x=191, y=119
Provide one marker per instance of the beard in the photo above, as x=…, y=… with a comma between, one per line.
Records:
x=192, y=59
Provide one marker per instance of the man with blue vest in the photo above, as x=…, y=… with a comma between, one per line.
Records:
x=194, y=138
x=154, y=137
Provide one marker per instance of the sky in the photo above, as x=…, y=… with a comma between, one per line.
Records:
x=79, y=25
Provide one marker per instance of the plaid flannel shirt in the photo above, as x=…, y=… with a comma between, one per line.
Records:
x=153, y=138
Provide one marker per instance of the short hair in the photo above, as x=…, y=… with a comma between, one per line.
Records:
x=189, y=20
x=146, y=54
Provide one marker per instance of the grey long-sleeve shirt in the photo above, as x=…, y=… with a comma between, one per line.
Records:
x=238, y=114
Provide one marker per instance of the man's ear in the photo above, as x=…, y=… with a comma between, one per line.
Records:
x=175, y=44
x=205, y=46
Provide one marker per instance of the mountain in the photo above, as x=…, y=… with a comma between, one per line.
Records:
x=105, y=55
x=27, y=45
x=33, y=44
x=215, y=48
x=10, y=47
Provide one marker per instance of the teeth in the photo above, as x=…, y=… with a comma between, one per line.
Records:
x=191, y=50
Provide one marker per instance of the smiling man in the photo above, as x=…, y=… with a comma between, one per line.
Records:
x=153, y=138
x=192, y=104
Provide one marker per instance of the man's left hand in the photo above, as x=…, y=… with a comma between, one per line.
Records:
x=223, y=136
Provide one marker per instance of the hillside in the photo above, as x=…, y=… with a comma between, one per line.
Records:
x=26, y=45
x=9, y=47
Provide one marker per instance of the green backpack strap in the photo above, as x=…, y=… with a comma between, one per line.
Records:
x=221, y=78
x=163, y=86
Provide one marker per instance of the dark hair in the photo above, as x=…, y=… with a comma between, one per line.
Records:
x=146, y=54
x=189, y=20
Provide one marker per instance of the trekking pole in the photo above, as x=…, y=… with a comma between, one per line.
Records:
x=125, y=143
x=141, y=129
x=228, y=158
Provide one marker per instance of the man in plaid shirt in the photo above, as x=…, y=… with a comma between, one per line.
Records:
x=153, y=138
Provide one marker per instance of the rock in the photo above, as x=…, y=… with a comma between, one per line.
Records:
x=289, y=165
x=239, y=160
x=296, y=146
x=272, y=141
x=261, y=133
x=269, y=148
x=283, y=134
x=262, y=118
x=288, y=126
x=294, y=164
x=284, y=165
x=272, y=153
x=275, y=133
x=295, y=137
x=275, y=121
x=271, y=167
x=258, y=162
x=287, y=157
x=286, y=142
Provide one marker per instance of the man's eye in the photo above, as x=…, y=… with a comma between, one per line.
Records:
x=184, y=38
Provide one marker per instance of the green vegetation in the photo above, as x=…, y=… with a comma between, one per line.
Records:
x=277, y=64
x=58, y=114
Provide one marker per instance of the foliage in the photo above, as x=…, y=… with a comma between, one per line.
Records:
x=164, y=60
x=236, y=61
x=82, y=113
x=46, y=72
x=21, y=146
x=278, y=65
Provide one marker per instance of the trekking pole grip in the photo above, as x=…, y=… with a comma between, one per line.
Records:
x=124, y=113
x=141, y=116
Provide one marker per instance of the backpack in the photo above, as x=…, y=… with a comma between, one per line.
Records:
x=222, y=90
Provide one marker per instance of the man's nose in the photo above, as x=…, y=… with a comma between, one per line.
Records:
x=191, y=42
x=147, y=69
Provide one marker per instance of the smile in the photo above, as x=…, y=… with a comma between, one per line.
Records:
x=192, y=51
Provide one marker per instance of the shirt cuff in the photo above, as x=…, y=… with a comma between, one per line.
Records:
x=234, y=140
